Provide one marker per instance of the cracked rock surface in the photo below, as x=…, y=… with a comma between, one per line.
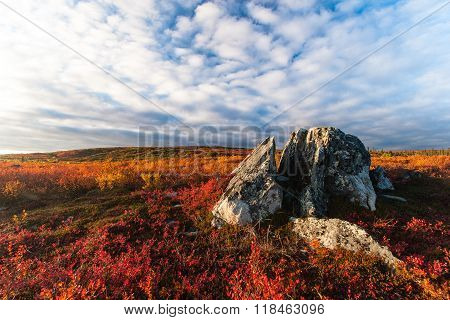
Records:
x=252, y=194
x=336, y=233
x=320, y=162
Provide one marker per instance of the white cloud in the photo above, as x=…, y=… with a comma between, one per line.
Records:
x=262, y=14
x=298, y=4
x=205, y=63
x=298, y=30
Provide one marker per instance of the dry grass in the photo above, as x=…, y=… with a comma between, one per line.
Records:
x=78, y=225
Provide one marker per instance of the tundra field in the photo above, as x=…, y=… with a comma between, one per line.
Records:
x=128, y=223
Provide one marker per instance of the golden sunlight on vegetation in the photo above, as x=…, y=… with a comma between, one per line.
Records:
x=77, y=225
x=436, y=166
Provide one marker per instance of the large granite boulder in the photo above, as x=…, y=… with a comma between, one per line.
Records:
x=336, y=233
x=380, y=180
x=252, y=194
x=320, y=162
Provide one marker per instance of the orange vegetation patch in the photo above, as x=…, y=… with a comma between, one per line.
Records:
x=163, y=247
x=435, y=166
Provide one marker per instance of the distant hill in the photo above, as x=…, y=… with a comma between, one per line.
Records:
x=121, y=154
x=135, y=153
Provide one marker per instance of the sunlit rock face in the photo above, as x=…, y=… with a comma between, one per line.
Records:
x=252, y=194
x=315, y=164
x=336, y=233
x=323, y=162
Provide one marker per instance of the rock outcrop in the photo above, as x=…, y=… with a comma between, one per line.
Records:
x=336, y=233
x=325, y=161
x=252, y=194
x=315, y=164
x=380, y=180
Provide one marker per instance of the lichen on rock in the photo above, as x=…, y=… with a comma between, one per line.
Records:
x=252, y=194
x=320, y=162
x=336, y=233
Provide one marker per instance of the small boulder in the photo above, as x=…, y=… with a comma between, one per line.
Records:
x=336, y=233
x=380, y=180
x=411, y=175
x=320, y=162
x=252, y=194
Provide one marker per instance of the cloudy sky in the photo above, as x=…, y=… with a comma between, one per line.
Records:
x=222, y=62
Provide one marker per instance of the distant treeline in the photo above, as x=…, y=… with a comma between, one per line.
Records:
x=134, y=153
x=426, y=152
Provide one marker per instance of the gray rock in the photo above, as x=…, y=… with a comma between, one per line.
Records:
x=252, y=194
x=171, y=222
x=320, y=162
x=190, y=233
x=411, y=175
x=336, y=233
x=394, y=198
x=171, y=194
x=281, y=178
x=380, y=180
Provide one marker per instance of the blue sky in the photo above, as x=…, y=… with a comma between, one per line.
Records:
x=222, y=62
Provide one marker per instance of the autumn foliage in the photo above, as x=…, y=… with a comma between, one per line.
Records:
x=165, y=248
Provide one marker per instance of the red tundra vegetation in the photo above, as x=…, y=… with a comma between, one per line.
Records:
x=140, y=229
